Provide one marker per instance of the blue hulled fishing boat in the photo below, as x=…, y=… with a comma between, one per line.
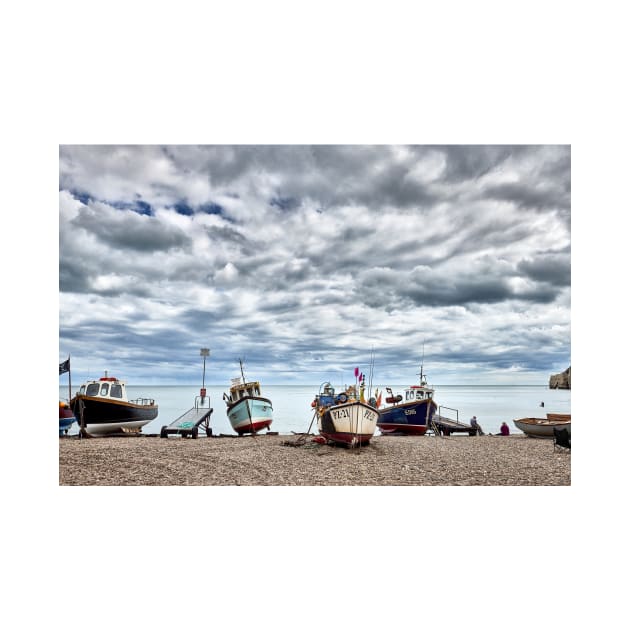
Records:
x=409, y=413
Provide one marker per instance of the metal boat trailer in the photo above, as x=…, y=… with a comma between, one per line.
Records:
x=441, y=425
x=189, y=423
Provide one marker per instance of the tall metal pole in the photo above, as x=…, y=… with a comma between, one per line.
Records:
x=204, y=352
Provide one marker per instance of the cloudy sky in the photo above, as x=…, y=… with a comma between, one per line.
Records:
x=305, y=260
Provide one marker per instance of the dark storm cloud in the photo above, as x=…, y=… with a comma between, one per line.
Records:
x=527, y=196
x=72, y=278
x=431, y=293
x=308, y=256
x=129, y=230
x=471, y=162
x=552, y=268
x=226, y=234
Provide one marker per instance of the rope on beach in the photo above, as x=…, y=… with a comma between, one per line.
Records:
x=302, y=437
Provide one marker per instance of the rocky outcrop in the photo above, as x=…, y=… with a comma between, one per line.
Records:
x=561, y=381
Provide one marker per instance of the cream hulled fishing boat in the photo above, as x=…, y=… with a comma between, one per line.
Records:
x=543, y=427
x=344, y=418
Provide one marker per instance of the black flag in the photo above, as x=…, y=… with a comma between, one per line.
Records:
x=64, y=367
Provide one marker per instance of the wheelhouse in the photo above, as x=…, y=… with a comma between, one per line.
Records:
x=105, y=387
x=417, y=392
x=244, y=390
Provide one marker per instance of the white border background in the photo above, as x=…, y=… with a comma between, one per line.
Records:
x=305, y=72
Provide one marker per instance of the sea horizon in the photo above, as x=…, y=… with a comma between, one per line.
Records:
x=292, y=411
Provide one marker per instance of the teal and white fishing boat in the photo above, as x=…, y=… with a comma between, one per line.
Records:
x=247, y=410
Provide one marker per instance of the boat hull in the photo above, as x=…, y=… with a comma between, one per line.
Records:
x=102, y=416
x=541, y=427
x=412, y=418
x=250, y=414
x=66, y=419
x=351, y=423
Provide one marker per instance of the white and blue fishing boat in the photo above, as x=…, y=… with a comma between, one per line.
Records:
x=247, y=410
x=409, y=413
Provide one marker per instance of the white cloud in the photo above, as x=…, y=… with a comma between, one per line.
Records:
x=295, y=251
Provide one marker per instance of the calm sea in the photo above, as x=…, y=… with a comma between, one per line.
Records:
x=492, y=404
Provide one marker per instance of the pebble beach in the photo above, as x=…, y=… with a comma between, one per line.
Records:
x=297, y=460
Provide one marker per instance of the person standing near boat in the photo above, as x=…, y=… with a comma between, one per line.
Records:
x=475, y=425
x=505, y=430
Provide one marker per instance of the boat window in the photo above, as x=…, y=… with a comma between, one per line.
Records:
x=257, y=391
x=116, y=391
x=104, y=389
x=410, y=395
x=82, y=390
x=92, y=389
x=428, y=394
x=418, y=395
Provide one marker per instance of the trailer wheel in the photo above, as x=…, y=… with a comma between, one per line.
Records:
x=163, y=432
x=208, y=432
x=194, y=433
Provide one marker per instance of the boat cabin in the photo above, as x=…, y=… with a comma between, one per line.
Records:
x=418, y=392
x=110, y=388
x=105, y=387
x=327, y=396
x=243, y=390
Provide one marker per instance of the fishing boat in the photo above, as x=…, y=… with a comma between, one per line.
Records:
x=543, y=427
x=66, y=417
x=410, y=413
x=247, y=410
x=344, y=418
x=102, y=407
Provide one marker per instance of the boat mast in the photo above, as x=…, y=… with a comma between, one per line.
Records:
x=242, y=373
x=422, y=366
x=371, y=373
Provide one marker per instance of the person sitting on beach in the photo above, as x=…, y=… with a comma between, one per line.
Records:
x=505, y=430
x=475, y=425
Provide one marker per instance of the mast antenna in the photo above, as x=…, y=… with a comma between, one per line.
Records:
x=422, y=365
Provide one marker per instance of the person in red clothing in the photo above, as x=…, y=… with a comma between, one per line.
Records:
x=505, y=430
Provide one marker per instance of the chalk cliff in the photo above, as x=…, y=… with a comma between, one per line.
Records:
x=561, y=381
